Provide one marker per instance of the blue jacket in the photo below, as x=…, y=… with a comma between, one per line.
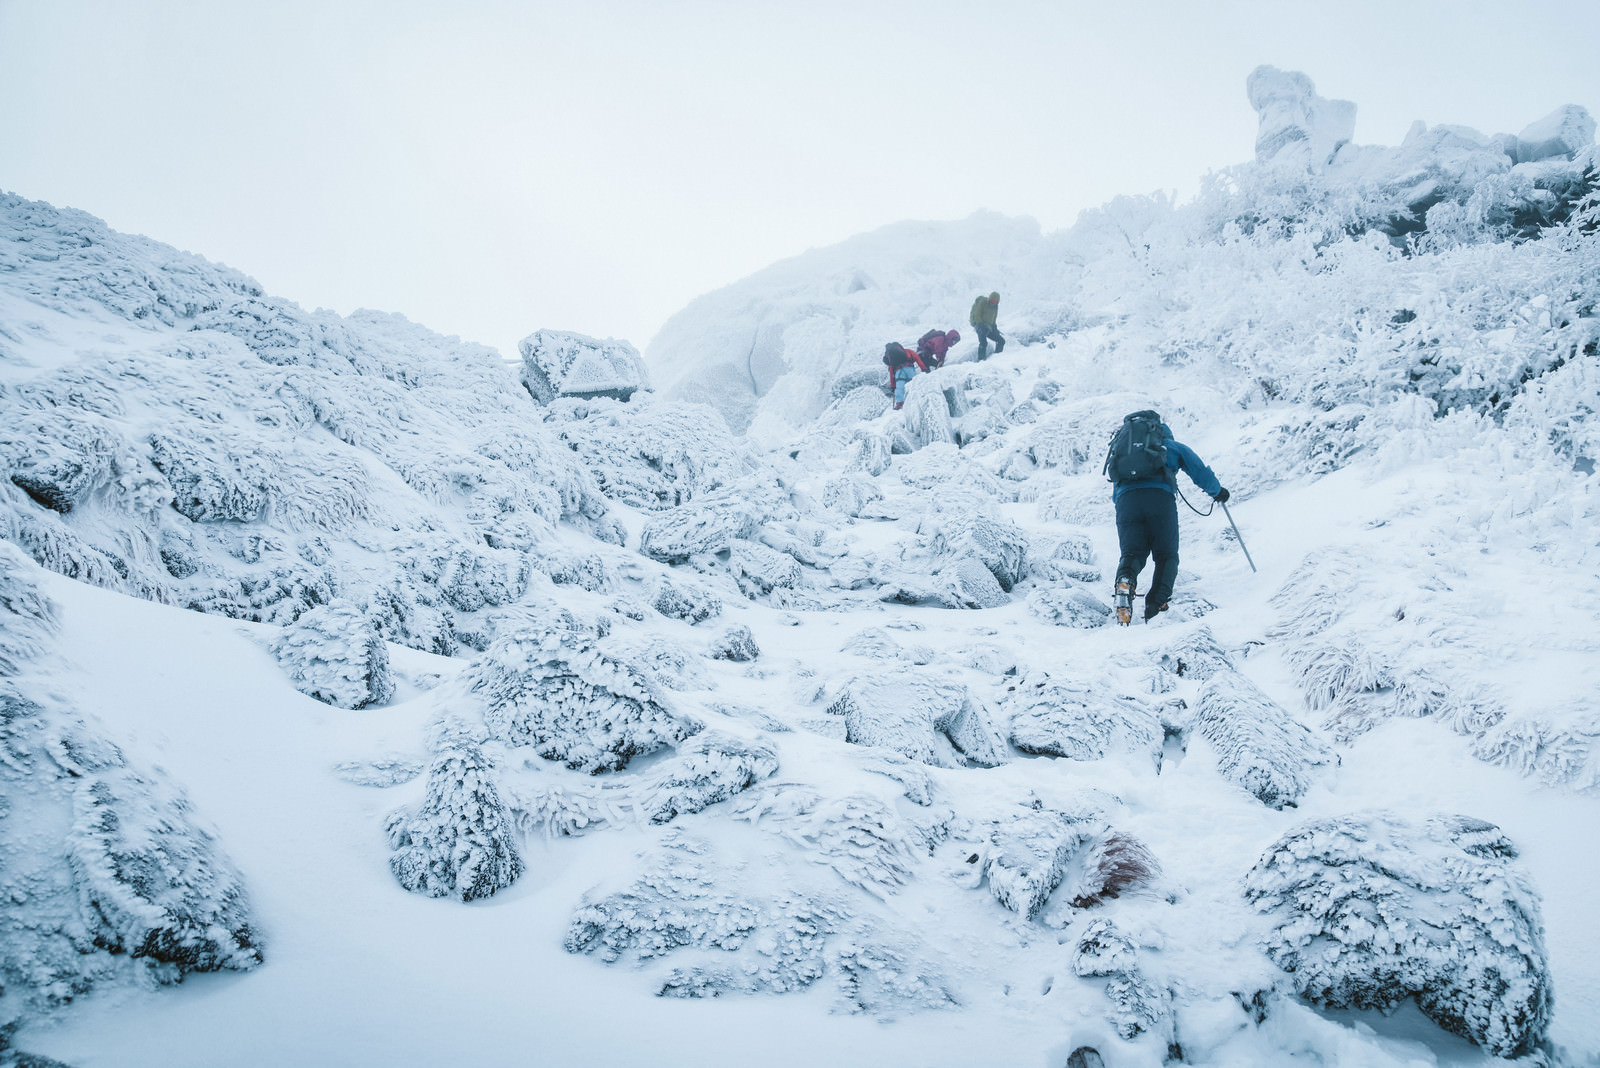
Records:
x=1179, y=458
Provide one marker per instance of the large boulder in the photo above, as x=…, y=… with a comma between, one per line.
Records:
x=1371, y=909
x=556, y=363
x=1562, y=133
x=1294, y=122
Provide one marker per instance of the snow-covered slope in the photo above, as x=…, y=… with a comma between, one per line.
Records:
x=592, y=732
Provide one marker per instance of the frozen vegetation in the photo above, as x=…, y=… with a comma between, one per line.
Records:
x=750, y=685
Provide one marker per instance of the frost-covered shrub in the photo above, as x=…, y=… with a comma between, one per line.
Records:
x=658, y=456
x=922, y=717
x=213, y=481
x=335, y=654
x=59, y=457
x=725, y=940
x=710, y=767
x=1059, y=717
x=1138, y=1005
x=106, y=869
x=460, y=842
x=859, y=836
x=1371, y=909
x=28, y=620
x=1259, y=746
x=554, y=687
x=1112, y=862
x=737, y=644
x=692, y=604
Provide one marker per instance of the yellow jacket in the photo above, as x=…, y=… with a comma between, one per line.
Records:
x=983, y=311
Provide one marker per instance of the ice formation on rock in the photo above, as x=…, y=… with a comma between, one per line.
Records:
x=1371, y=909
x=921, y=717
x=1294, y=121
x=1259, y=745
x=335, y=654
x=556, y=363
x=1080, y=720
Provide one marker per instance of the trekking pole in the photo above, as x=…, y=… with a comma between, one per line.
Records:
x=1236, y=534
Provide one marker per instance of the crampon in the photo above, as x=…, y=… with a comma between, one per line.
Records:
x=1124, y=602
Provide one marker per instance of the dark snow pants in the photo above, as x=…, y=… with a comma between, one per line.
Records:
x=1147, y=522
x=986, y=334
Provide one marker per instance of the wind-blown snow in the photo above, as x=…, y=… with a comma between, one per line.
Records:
x=525, y=706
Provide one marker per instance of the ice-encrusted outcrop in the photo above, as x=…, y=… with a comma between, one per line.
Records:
x=1294, y=122
x=681, y=600
x=555, y=687
x=1138, y=1005
x=709, y=768
x=706, y=526
x=1061, y=717
x=556, y=363
x=460, y=842
x=1032, y=850
x=920, y=716
x=1371, y=909
x=737, y=643
x=104, y=866
x=335, y=654
x=1259, y=746
x=28, y=620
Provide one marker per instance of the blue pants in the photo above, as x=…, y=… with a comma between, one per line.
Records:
x=902, y=377
x=1147, y=522
x=986, y=334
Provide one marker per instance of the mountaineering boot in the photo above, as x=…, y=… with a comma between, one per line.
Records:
x=1151, y=610
x=1124, y=602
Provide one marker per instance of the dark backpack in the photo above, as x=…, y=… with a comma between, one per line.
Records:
x=894, y=355
x=1138, y=450
x=925, y=342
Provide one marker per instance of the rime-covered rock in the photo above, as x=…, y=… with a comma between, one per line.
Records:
x=335, y=654
x=1294, y=122
x=759, y=569
x=849, y=494
x=1028, y=852
x=859, y=836
x=1259, y=745
x=692, y=604
x=1070, y=607
x=28, y=618
x=106, y=869
x=1561, y=134
x=956, y=582
x=1060, y=717
x=657, y=456
x=1374, y=908
x=706, y=526
x=1103, y=950
x=862, y=404
x=556, y=688
x=737, y=643
x=459, y=843
x=926, y=415
x=1000, y=546
x=383, y=772
x=60, y=457
x=921, y=717
x=557, y=363
x=1196, y=656
x=710, y=767
x=870, y=452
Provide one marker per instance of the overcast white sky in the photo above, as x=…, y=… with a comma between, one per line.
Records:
x=489, y=169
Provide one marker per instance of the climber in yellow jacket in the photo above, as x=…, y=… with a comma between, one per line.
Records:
x=982, y=317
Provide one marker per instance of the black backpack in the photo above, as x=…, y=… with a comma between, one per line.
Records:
x=894, y=355
x=1138, y=450
x=923, y=341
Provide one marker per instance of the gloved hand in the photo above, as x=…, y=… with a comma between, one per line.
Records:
x=1222, y=496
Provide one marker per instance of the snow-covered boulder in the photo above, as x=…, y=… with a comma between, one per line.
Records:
x=759, y=569
x=460, y=843
x=556, y=363
x=920, y=716
x=1061, y=717
x=1294, y=122
x=1562, y=133
x=709, y=768
x=1031, y=850
x=706, y=526
x=28, y=618
x=557, y=688
x=926, y=415
x=1000, y=546
x=1374, y=908
x=1258, y=744
x=851, y=493
x=653, y=456
x=1070, y=607
x=737, y=643
x=335, y=654
x=1195, y=656
x=107, y=871
x=690, y=603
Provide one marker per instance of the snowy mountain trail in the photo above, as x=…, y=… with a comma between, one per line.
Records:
x=364, y=701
